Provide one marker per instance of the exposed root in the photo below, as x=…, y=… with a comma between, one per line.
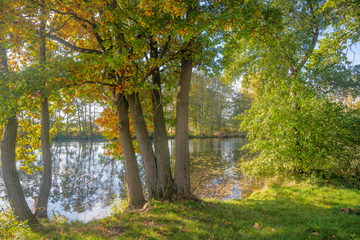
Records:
x=131, y=208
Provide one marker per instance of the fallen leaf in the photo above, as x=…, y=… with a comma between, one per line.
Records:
x=257, y=226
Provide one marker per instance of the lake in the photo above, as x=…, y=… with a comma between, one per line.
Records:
x=85, y=182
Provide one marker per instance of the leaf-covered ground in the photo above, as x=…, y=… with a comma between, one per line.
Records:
x=296, y=211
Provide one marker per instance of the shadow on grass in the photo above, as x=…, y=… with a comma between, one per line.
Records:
x=280, y=213
x=280, y=218
x=283, y=217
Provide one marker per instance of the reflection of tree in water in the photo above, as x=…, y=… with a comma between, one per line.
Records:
x=214, y=175
x=214, y=168
x=85, y=180
x=108, y=186
x=82, y=177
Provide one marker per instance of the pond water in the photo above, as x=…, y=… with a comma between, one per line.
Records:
x=85, y=182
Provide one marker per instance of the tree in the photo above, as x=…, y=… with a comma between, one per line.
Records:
x=45, y=187
x=241, y=102
x=8, y=145
x=210, y=104
x=132, y=52
x=132, y=177
x=294, y=125
x=165, y=188
x=121, y=45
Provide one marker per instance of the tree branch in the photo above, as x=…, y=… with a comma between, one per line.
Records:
x=313, y=42
x=75, y=16
x=164, y=49
x=71, y=46
x=91, y=82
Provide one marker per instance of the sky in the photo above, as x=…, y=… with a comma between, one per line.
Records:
x=353, y=54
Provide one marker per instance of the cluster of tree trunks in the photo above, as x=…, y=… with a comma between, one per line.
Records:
x=160, y=182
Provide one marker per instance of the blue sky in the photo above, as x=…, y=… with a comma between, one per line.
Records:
x=353, y=54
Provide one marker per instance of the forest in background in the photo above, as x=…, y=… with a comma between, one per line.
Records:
x=214, y=111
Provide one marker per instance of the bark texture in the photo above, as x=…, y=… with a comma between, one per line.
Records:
x=132, y=176
x=11, y=179
x=165, y=183
x=182, y=155
x=145, y=146
x=46, y=179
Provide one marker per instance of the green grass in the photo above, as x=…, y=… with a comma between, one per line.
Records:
x=296, y=211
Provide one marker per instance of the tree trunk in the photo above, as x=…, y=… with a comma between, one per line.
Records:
x=165, y=184
x=84, y=120
x=182, y=155
x=11, y=179
x=67, y=125
x=46, y=179
x=79, y=119
x=90, y=123
x=8, y=157
x=212, y=123
x=45, y=187
x=145, y=146
x=132, y=176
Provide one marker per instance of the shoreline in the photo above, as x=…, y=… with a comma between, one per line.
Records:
x=102, y=139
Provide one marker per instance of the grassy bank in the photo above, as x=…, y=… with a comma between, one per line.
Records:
x=293, y=211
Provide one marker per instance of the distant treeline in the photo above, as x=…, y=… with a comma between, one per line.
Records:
x=214, y=111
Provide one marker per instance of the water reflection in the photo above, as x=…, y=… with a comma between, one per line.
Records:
x=215, y=170
x=85, y=182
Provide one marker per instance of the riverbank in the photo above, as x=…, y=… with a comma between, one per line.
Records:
x=99, y=137
x=291, y=211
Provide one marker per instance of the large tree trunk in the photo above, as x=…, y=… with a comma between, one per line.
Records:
x=132, y=176
x=165, y=184
x=11, y=179
x=45, y=187
x=145, y=146
x=182, y=155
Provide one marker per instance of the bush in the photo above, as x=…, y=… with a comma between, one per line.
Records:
x=302, y=133
x=10, y=228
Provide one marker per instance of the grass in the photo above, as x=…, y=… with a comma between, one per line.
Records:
x=293, y=211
